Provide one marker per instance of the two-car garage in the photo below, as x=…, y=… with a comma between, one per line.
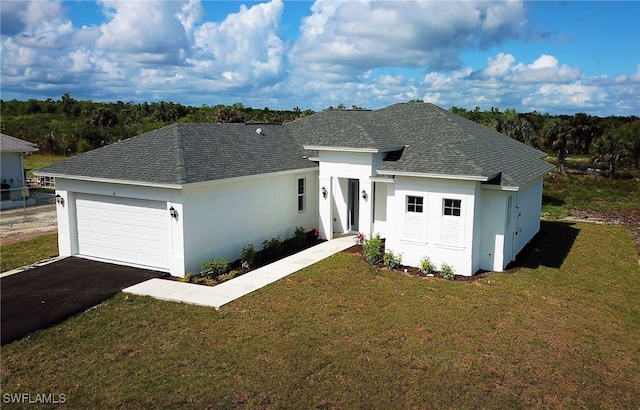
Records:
x=127, y=230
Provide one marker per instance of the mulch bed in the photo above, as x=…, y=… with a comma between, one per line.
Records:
x=415, y=272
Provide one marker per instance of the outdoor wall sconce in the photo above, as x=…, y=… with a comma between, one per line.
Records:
x=59, y=200
x=364, y=195
x=173, y=213
x=324, y=192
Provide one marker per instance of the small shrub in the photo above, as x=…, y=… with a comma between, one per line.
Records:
x=426, y=266
x=372, y=250
x=228, y=276
x=299, y=237
x=248, y=256
x=186, y=278
x=273, y=248
x=214, y=268
x=447, y=272
x=315, y=233
x=359, y=238
x=391, y=260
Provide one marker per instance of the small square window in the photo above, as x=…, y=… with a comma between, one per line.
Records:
x=415, y=204
x=452, y=207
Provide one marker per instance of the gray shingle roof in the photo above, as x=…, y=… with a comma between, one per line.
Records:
x=437, y=142
x=13, y=144
x=189, y=153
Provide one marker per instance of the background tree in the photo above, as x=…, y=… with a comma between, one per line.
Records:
x=557, y=136
x=610, y=148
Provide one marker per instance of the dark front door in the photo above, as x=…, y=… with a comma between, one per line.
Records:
x=354, y=204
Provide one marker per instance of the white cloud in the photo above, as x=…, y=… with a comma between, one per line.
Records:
x=148, y=31
x=357, y=35
x=499, y=66
x=245, y=42
x=366, y=53
x=544, y=69
x=554, y=96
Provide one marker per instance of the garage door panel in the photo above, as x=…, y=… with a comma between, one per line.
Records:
x=124, y=229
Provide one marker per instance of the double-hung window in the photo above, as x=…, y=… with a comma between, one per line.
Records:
x=301, y=194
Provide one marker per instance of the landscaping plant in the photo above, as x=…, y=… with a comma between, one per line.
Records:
x=215, y=267
x=391, y=260
x=248, y=256
x=447, y=272
x=426, y=266
x=372, y=250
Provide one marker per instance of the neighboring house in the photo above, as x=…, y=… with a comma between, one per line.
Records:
x=12, y=151
x=430, y=182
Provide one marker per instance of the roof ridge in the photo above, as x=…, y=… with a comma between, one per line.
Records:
x=178, y=148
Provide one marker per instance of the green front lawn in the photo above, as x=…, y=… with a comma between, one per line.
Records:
x=18, y=254
x=341, y=334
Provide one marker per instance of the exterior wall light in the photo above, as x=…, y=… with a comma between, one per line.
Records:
x=59, y=200
x=324, y=192
x=173, y=213
x=364, y=195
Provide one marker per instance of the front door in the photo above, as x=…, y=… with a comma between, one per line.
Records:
x=354, y=204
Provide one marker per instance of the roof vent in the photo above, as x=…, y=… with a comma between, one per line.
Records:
x=259, y=131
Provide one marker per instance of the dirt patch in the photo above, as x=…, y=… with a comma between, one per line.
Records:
x=17, y=225
x=629, y=218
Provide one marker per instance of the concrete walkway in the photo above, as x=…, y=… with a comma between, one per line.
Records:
x=216, y=296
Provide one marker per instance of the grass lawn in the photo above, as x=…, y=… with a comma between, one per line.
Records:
x=23, y=253
x=341, y=334
x=588, y=192
x=34, y=161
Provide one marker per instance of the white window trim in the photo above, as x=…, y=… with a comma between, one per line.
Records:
x=414, y=204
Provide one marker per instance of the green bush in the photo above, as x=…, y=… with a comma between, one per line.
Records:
x=300, y=237
x=273, y=248
x=426, y=266
x=248, y=256
x=214, y=268
x=391, y=260
x=372, y=250
x=447, y=272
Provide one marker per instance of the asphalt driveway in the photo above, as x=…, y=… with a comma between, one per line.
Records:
x=42, y=296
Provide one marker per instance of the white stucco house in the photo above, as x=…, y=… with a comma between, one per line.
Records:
x=430, y=182
x=12, y=152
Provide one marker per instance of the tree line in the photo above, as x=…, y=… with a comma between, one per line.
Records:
x=613, y=141
x=68, y=126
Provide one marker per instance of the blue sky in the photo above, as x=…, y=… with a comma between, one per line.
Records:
x=555, y=57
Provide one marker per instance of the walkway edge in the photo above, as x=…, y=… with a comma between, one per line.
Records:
x=219, y=295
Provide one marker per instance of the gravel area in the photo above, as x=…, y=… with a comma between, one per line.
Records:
x=18, y=224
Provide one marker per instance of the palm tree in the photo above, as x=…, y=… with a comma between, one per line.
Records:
x=557, y=135
x=610, y=147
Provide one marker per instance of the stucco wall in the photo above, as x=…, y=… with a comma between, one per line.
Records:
x=527, y=213
x=223, y=217
x=335, y=170
x=444, y=239
x=490, y=228
x=12, y=172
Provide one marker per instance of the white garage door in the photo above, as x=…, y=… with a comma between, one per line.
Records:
x=126, y=230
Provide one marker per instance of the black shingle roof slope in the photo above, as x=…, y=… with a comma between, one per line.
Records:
x=189, y=153
x=436, y=141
